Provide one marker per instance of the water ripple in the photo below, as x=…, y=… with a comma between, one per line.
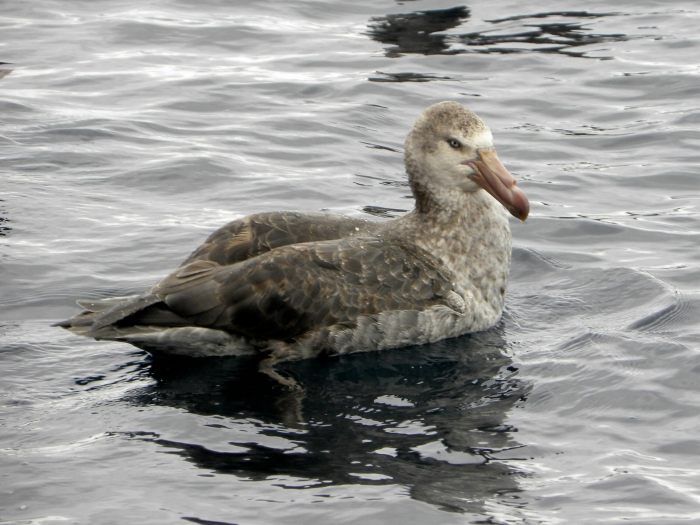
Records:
x=130, y=132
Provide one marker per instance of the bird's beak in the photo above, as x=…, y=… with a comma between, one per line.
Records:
x=493, y=176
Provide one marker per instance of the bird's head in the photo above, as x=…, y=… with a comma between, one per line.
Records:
x=451, y=149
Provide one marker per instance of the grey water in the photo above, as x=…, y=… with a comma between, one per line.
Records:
x=130, y=130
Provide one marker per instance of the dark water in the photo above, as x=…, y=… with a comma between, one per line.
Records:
x=130, y=130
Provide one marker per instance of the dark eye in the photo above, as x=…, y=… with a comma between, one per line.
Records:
x=454, y=143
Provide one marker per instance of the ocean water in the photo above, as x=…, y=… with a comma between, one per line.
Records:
x=130, y=130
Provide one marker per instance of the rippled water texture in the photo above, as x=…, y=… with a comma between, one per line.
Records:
x=129, y=130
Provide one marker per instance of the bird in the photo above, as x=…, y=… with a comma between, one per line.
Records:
x=289, y=285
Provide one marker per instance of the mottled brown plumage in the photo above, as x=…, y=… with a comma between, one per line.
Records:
x=294, y=289
x=262, y=232
x=294, y=285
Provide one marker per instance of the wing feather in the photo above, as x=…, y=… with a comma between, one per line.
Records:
x=284, y=293
x=256, y=234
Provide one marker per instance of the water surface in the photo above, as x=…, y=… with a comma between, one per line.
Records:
x=129, y=132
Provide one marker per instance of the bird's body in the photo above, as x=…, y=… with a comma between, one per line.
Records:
x=295, y=285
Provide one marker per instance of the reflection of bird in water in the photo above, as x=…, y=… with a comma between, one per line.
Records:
x=429, y=418
x=291, y=286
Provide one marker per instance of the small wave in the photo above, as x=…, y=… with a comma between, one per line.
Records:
x=677, y=317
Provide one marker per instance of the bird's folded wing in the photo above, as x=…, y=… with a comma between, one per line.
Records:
x=251, y=236
x=284, y=293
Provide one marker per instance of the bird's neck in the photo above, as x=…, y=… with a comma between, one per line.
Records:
x=470, y=234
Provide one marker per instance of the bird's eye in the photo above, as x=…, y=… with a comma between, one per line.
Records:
x=454, y=143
